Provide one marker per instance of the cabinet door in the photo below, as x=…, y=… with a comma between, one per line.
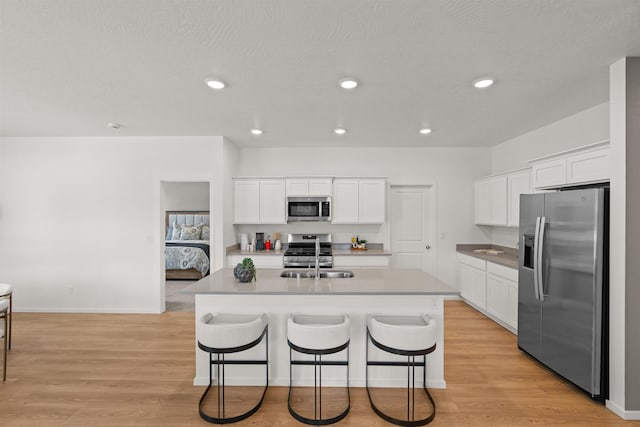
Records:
x=465, y=281
x=482, y=202
x=589, y=167
x=497, y=297
x=371, y=201
x=498, y=200
x=517, y=183
x=552, y=173
x=345, y=201
x=512, y=304
x=479, y=295
x=246, y=201
x=320, y=186
x=260, y=261
x=472, y=285
x=272, y=201
x=297, y=187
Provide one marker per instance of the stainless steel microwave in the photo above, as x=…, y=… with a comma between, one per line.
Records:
x=308, y=209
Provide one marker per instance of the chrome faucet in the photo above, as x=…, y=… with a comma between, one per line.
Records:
x=317, y=258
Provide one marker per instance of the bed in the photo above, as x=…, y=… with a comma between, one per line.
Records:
x=187, y=242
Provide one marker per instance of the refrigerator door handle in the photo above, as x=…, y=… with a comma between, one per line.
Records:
x=543, y=222
x=535, y=259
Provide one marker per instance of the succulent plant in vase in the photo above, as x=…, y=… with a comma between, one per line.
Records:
x=245, y=271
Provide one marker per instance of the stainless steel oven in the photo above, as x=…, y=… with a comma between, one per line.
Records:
x=308, y=209
x=301, y=251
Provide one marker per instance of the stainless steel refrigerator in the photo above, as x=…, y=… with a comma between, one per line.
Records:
x=562, y=289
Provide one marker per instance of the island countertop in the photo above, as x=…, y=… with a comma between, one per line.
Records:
x=367, y=281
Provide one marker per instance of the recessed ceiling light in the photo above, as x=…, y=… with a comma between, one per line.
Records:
x=425, y=131
x=340, y=131
x=113, y=125
x=214, y=83
x=348, y=83
x=482, y=83
x=256, y=131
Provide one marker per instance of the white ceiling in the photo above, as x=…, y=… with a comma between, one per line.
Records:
x=68, y=67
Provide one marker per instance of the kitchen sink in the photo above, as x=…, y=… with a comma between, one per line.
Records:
x=310, y=274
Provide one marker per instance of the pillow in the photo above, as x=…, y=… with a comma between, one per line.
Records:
x=169, y=233
x=190, y=232
x=177, y=230
x=204, y=231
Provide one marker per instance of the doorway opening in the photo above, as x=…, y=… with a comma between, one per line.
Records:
x=413, y=227
x=187, y=242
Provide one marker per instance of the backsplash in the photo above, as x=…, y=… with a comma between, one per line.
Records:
x=505, y=236
x=341, y=233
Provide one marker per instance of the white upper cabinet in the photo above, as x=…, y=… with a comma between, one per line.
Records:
x=517, y=184
x=550, y=173
x=320, y=186
x=246, y=201
x=309, y=186
x=259, y=201
x=297, y=187
x=359, y=201
x=587, y=167
x=345, y=201
x=584, y=165
x=372, y=201
x=482, y=202
x=490, y=201
x=497, y=198
x=272, y=201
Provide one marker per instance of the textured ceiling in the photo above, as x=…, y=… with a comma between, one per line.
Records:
x=67, y=68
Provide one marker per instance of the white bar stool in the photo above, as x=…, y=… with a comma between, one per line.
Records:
x=223, y=334
x=409, y=336
x=318, y=335
x=6, y=309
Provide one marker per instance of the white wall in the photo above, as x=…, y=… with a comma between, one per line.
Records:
x=187, y=196
x=80, y=221
x=617, y=235
x=230, y=163
x=451, y=169
x=583, y=128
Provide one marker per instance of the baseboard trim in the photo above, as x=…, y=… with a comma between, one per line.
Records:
x=622, y=413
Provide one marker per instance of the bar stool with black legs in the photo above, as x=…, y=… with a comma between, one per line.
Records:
x=318, y=335
x=221, y=335
x=410, y=336
x=6, y=310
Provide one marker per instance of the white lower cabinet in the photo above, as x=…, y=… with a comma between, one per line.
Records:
x=260, y=261
x=345, y=261
x=472, y=281
x=491, y=288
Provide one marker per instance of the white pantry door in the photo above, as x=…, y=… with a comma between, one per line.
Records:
x=413, y=227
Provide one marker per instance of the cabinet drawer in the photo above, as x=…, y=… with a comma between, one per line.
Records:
x=502, y=271
x=473, y=262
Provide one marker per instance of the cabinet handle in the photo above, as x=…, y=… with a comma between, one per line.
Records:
x=428, y=247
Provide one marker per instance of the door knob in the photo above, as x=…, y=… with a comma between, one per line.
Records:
x=428, y=247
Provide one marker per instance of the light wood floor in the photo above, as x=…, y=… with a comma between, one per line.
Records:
x=137, y=370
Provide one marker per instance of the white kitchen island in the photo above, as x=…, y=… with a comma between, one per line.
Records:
x=372, y=290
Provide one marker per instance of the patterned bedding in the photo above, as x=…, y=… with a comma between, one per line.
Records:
x=185, y=254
